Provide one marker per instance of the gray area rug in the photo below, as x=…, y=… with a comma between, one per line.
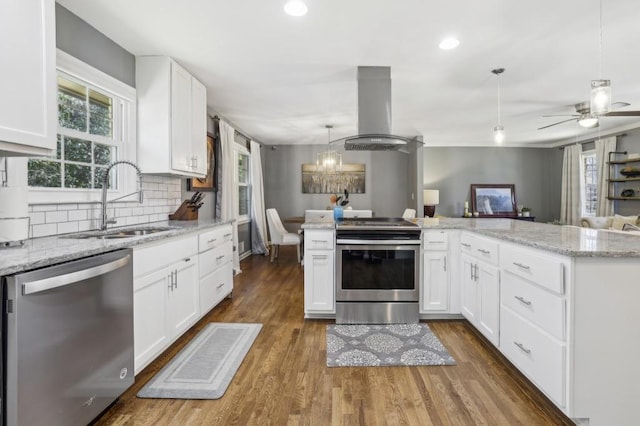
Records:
x=204, y=368
x=384, y=345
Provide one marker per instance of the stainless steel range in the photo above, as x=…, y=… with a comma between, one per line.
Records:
x=377, y=271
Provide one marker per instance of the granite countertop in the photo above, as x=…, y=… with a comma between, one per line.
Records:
x=566, y=240
x=46, y=251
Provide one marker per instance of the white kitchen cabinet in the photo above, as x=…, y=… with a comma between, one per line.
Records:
x=319, y=272
x=166, y=295
x=28, y=109
x=172, y=133
x=434, y=295
x=480, y=285
x=215, y=263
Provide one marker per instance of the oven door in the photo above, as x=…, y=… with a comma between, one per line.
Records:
x=377, y=271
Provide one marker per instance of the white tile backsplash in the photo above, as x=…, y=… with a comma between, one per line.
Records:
x=162, y=196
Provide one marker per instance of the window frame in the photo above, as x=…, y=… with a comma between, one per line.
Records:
x=124, y=106
x=583, y=182
x=241, y=150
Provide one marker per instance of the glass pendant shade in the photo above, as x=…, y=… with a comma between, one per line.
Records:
x=295, y=8
x=587, y=121
x=600, y=97
x=498, y=135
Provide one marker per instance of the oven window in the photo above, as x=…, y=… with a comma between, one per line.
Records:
x=378, y=269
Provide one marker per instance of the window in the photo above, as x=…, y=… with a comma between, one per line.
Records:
x=243, y=183
x=589, y=183
x=96, y=126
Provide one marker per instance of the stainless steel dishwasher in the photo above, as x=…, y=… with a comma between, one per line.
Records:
x=67, y=340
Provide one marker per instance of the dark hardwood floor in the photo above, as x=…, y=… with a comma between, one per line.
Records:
x=284, y=379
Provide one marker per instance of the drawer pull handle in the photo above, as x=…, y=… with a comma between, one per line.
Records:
x=522, y=348
x=523, y=300
x=211, y=241
x=320, y=241
x=483, y=251
x=220, y=257
x=219, y=286
x=520, y=265
x=466, y=245
x=436, y=242
x=227, y=235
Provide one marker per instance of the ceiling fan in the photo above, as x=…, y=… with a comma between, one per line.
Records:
x=585, y=119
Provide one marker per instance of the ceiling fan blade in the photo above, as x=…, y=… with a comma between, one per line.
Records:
x=616, y=105
x=562, y=115
x=555, y=124
x=622, y=114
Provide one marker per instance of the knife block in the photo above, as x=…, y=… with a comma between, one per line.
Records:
x=184, y=212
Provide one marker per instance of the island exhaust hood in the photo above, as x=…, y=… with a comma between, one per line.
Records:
x=374, y=113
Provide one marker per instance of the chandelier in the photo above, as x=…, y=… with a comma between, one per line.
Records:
x=329, y=161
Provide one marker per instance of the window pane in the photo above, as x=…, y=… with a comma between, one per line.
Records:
x=58, y=148
x=101, y=114
x=99, y=177
x=243, y=168
x=72, y=105
x=590, y=184
x=103, y=154
x=44, y=173
x=77, y=176
x=243, y=200
x=77, y=150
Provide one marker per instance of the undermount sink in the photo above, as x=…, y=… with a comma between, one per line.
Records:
x=123, y=233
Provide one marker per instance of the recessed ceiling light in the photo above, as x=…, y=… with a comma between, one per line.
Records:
x=295, y=8
x=449, y=43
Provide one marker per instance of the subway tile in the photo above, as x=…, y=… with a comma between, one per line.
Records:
x=43, y=230
x=78, y=214
x=37, y=218
x=55, y=216
x=67, y=207
x=67, y=227
x=43, y=207
x=86, y=225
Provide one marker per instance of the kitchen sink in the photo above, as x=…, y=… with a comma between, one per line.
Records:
x=122, y=233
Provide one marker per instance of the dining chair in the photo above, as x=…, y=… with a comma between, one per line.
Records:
x=279, y=235
x=409, y=214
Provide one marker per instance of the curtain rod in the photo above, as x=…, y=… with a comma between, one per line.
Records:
x=592, y=140
x=215, y=117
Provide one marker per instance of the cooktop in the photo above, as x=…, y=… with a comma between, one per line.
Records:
x=376, y=223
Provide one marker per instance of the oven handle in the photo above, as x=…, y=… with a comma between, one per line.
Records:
x=380, y=242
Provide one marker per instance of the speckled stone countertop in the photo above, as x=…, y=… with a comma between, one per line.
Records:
x=40, y=252
x=565, y=240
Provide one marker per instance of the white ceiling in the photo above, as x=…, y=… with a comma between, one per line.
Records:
x=281, y=79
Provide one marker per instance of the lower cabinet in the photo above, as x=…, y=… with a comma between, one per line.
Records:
x=319, y=272
x=216, y=276
x=435, y=284
x=480, y=296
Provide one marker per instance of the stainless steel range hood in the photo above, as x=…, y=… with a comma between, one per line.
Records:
x=374, y=113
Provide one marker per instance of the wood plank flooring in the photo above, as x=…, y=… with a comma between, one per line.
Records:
x=284, y=379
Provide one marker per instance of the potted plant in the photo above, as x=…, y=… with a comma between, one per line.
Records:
x=526, y=211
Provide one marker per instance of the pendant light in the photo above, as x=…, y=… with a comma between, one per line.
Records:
x=600, y=89
x=295, y=8
x=498, y=131
x=329, y=161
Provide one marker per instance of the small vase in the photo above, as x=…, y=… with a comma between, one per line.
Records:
x=338, y=213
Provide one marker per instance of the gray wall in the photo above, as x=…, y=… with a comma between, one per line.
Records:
x=82, y=41
x=536, y=173
x=387, y=186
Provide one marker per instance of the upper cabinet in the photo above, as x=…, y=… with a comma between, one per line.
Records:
x=172, y=118
x=28, y=85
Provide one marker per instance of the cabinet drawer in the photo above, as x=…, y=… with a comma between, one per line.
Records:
x=215, y=286
x=212, y=259
x=434, y=240
x=546, y=310
x=535, y=353
x=318, y=240
x=214, y=238
x=543, y=270
x=479, y=247
x=147, y=258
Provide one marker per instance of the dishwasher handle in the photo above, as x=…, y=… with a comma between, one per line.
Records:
x=32, y=287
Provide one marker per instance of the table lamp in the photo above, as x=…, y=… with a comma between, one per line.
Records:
x=431, y=200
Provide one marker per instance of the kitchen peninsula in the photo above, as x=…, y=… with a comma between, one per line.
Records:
x=559, y=302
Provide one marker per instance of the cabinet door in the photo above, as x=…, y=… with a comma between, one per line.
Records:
x=435, y=285
x=488, y=321
x=28, y=109
x=183, y=305
x=151, y=334
x=469, y=288
x=181, y=156
x=198, y=126
x=319, y=286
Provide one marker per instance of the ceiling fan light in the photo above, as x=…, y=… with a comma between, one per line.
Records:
x=600, y=97
x=449, y=43
x=498, y=135
x=295, y=8
x=588, y=121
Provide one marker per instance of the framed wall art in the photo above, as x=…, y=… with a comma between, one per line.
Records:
x=351, y=178
x=494, y=200
x=207, y=183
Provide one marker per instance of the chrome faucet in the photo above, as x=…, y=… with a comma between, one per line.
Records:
x=105, y=187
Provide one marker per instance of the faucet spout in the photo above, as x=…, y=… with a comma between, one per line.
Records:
x=105, y=186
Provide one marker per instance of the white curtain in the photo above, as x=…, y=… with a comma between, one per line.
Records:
x=229, y=198
x=571, y=207
x=603, y=148
x=258, y=220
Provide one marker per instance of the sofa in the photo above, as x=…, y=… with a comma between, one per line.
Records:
x=616, y=223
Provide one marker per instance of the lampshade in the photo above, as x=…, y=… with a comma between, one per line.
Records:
x=431, y=197
x=498, y=135
x=295, y=8
x=600, y=97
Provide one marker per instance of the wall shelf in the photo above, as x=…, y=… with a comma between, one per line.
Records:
x=617, y=184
